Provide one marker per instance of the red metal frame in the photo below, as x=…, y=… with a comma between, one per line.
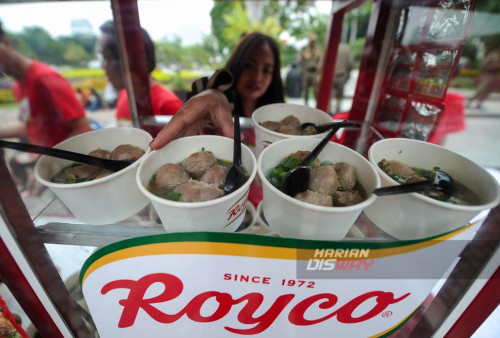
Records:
x=126, y=15
x=35, y=252
x=479, y=310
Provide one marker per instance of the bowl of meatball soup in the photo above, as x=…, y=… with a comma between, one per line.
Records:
x=340, y=187
x=93, y=195
x=279, y=121
x=184, y=182
x=426, y=214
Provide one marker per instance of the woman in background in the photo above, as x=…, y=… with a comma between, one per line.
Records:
x=255, y=66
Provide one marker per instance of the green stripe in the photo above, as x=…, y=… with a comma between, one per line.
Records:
x=221, y=237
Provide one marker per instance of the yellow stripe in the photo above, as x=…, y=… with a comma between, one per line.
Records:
x=200, y=248
x=247, y=250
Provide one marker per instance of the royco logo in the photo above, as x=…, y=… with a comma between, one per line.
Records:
x=237, y=209
x=251, y=311
x=340, y=259
x=201, y=284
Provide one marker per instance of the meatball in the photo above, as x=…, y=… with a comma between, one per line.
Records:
x=309, y=130
x=396, y=168
x=196, y=164
x=301, y=155
x=196, y=191
x=101, y=153
x=290, y=130
x=215, y=175
x=315, y=198
x=126, y=152
x=170, y=175
x=271, y=125
x=346, y=175
x=323, y=179
x=345, y=198
x=291, y=121
x=81, y=172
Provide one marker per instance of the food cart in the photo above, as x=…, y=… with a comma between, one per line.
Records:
x=397, y=94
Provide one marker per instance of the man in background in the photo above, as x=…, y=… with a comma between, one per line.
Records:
x=343, y=67
x=164, y=101
x=309, y=61
x=49, y=108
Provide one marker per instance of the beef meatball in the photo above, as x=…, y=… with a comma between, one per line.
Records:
x=215, y=175
x=196, y=164
x=346, y=175
x=196, y=191
x=291, y=121
x=396, y=168
x=315, y=198
x=345, y=198
x=289, y=130
x=309, y=130
x=301, y=155
x=323, y=179
x=101, y=153
x=271, y=125
x=170, y=175
x=126, y=152
x=81, y=172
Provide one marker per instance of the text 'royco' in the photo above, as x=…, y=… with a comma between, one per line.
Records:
x=173, y=288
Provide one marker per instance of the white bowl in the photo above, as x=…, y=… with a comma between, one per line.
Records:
x=106, y=200
x=290, y=217
x=252, y=218
x=276, y=112
x=221, y=214
x=413, y=215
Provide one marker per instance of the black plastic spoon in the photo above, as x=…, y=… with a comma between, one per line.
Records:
x=112, y=165
x=320, y=128
x=441, y=181
x=235, y=176
x=296, y=179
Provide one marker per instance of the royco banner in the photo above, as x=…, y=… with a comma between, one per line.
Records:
x=229, y=284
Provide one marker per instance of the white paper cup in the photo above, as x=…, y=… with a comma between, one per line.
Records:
x=223, y=214
x=413, y=215
x=276, y=112
x=106, y=200
x=290, y=217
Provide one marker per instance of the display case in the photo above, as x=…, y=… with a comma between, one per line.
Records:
x=406, y=98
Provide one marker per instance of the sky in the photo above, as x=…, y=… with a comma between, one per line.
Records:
x=162, y=19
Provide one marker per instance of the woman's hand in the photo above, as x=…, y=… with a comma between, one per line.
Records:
x=209, y=106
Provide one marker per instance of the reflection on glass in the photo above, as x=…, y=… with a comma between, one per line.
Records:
x=419, y=121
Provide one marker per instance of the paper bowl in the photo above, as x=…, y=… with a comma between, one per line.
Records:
x=290, y=217
x=413, y=215
x=106, y=200
x=223, y=214
x=276, y=112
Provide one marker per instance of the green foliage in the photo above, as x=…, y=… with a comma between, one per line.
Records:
x=6, y=96
x=82, y=72
x=37, y=43
x=238, y=24
x=357, y=51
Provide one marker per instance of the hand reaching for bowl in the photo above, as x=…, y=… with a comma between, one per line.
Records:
x=209, y=106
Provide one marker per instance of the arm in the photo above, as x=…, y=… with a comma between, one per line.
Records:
x=18, y=131
x=209, y=106
x=78, y=126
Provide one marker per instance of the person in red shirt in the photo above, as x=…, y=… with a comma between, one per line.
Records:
x=164, y=101
x=49, y=109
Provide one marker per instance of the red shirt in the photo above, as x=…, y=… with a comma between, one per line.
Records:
x=47, y=104
x=164, y=103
